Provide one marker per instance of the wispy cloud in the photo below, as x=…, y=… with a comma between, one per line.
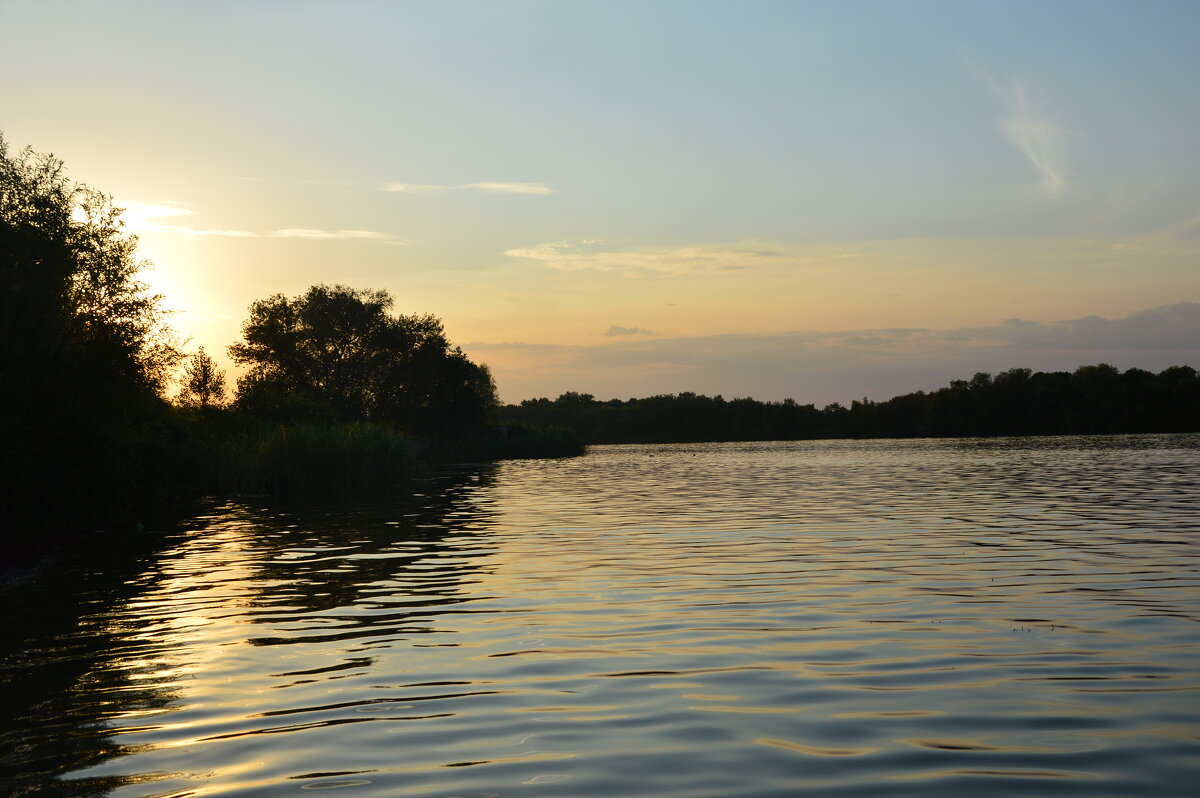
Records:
x=513, y=188
x=221, y=233
x=305, y=232
x=136, y=213
x=413, y=188
x=615, y=330
x=491, y=188
x=140, y=217
x=1037, y=139
x=1029, y=128
x=571, y=256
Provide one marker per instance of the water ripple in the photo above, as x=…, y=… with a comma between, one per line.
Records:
x=984, y=617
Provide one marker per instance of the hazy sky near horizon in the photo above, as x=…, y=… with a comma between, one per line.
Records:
x=821, y=200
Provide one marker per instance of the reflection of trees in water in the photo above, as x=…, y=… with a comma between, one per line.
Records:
x=83, y=657
x=60, y=685
x=316, y=559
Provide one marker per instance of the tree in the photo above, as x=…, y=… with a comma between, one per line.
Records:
x=84, y=348
x=203, y=382
x=71, y=294
x=341, y=350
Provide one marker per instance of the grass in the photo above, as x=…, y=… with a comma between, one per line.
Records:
x=507, y=443
x=322, y=459
x=310, y=459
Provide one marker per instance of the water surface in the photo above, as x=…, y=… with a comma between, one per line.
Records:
x=950, y=617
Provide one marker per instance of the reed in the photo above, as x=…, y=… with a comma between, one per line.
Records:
x=507, y=443
x=310, y=459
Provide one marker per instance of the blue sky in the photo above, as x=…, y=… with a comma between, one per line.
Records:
x=630, y=198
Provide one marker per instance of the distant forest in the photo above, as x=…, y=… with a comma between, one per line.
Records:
x=1090, y=400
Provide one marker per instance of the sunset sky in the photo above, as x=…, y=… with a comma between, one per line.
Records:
x=817, y=200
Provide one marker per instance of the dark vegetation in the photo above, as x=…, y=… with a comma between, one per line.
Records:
x=337, y=352
x=339, y=394
x=1091, y=400
x=84, y=356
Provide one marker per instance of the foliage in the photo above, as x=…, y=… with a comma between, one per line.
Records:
x=203, y=382
x=310, y=459
x=84, y=353
x=338, y=352
x=508, y=443
x=71, y=293
x=1092, y=399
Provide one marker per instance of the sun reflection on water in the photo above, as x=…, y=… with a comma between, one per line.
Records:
x=712, y=620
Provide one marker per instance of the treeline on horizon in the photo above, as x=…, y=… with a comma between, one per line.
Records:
x=339, y=393
x=1095, y=399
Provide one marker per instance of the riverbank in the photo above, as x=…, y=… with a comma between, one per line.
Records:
x=220, y=453
x=357, y=457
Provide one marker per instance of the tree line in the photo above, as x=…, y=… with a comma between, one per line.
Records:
x=1094, y=399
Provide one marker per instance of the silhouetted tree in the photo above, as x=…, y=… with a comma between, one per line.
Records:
x=70, y=278
x=1093, y=399
x=84, y=352
x=339, y=351
x=203, y=382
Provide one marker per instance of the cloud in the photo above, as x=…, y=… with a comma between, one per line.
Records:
x=823, y=366
x=135, y=212
x=1169, y=328
x=304, y=232
x=192, y=232
x=491, y=188
x=410, y=188
x=513, y=188
x=1037, y=139
x=139, y=217
x=615, y=330
x=571, y=256
x=1028, y=128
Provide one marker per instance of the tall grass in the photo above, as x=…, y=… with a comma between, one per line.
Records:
x=310, y=459
x=507, y=443
x=230, y=453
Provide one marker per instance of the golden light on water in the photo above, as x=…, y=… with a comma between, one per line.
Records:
x=606, y=620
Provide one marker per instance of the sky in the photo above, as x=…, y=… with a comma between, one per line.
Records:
x=814, y=200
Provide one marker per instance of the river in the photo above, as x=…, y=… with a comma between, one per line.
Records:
x=838, y=618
